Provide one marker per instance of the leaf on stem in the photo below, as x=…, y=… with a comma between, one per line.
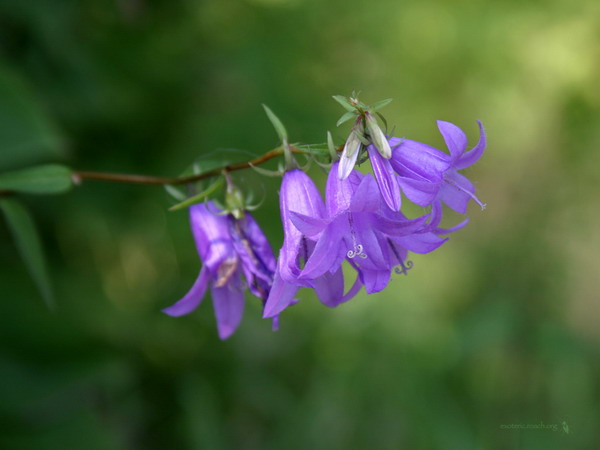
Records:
x=345, y=118
x=344, y=102
x=199, y=197
x=279, y=128
x=29, y=245
x=46, y=179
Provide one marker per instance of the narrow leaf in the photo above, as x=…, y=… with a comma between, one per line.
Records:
x=199, y=197
x=346, y=117
x=174, y=192
x=344, y=102
x=380, y=104
x=46, y=179
x=29, y=245
x=279, y=128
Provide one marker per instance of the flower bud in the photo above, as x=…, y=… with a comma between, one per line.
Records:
x=377, y=136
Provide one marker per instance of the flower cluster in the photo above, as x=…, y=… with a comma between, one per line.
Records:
x=359, y=223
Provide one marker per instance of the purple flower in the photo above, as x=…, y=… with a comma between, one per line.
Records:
x=355, y=228
x=231, y=249
x=299, y=195
x=428, y=175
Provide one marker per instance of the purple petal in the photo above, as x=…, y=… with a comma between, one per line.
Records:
x=254, y=251
x=308, y=226
x=474, y=154
x=211, y=233
x=436, y=215
x=363, y=229
x=456, y=139
x=325, y=253
x=366, y=197
x=192, y=299
x=457, y=191
x=421, y=192
x=386, y=178
x=410, y=158
x=420, y=242
x=228, y=303
x=451, y=229
x=298, y=193
x=355, y=289
x=401, y=227
x=281, y=296
x=339, y=193
x=259, y=243
x=330, y=288
x=375, y=280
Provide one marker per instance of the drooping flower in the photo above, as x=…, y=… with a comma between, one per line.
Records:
x=299, y=195
x=231, y=250
x=355, y=229
x=428, y=175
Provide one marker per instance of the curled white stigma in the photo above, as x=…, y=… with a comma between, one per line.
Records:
x=358, y=251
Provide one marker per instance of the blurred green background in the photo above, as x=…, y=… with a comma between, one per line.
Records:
x=498, y=327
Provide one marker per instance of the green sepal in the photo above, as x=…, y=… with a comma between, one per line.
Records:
x=346, y=117
x=29, y=245
x=380, y=104
x=200, y=196
x=279, y=128
x=344, y=102
x=385, y=124
x=333, y=154
x=46, y=179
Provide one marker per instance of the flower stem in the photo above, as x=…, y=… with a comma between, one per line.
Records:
x=79, y=176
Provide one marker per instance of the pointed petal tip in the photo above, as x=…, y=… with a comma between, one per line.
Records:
x=174, y=312
x=225, y=332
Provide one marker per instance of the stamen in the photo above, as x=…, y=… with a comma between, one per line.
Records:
x=470, y=194
x=358, y=248
x=226, y=271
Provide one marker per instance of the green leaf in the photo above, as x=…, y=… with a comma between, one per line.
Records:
x=29, y=245
x=279, y=128
x=346, y=117
x=174, y=192
x=199, y=197
x=344, y=102
x=377, y=106
x=27, y=134
x=46, y=179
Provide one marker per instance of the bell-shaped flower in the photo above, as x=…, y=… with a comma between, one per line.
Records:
x=230, y=249
x=427, y=175
x=299, y=195
x=354, y=229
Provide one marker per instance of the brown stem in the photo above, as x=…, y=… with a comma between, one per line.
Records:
x=79, y=176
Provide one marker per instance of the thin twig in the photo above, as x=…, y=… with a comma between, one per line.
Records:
x=149, y=180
